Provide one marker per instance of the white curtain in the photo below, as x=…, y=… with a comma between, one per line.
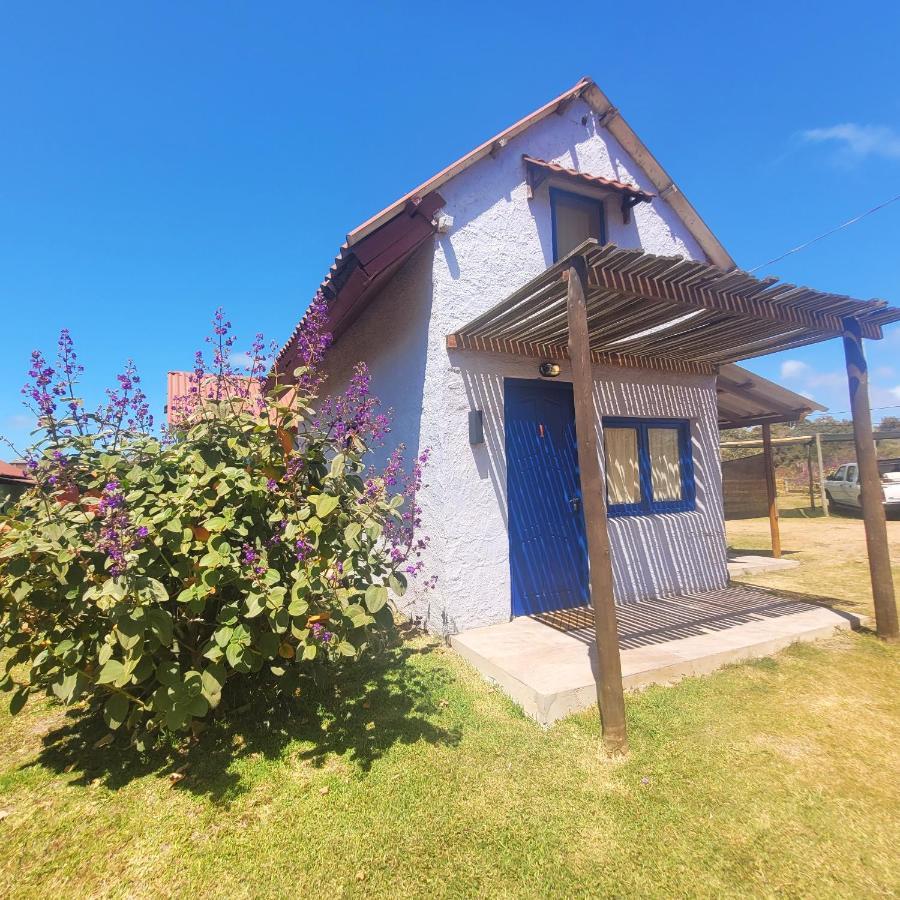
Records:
x=665, y=465
x=623, y=483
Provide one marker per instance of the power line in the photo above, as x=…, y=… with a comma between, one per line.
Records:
x=827, y=233
x=831, y=413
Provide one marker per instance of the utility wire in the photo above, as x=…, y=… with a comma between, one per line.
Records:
x=827, y=233
x=830, y=414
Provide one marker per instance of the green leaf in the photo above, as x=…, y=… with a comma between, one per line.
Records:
x=397, y=582
x=351, y=533
x=376, y=597
x=169, y=674
x=65, y=686
x=18, y=700
x=116, y=710
x=255, y=605
x=267, y=644
x=161, y=625
x=113, y=588
x=281, y=621
x=130, y=630
x=337, y=465
x=154, y=590
x=223, y=636
x=324, y=504
x=234, y=653
x=212, y=680
x=345, y=648
x=112, y=671
x=309, y=651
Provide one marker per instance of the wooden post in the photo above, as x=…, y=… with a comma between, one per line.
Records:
x=610, y=696
x=870, y=485
x=822, y=495
x=769, y=462
x=809, y=474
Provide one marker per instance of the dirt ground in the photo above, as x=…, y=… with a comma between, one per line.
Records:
x=832, y=553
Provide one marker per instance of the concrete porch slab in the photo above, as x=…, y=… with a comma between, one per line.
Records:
x=546, y=663
x=751, y=565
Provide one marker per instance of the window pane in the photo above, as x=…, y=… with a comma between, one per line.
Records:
x=623, y=482
x=573, y=227
x=665, y=464
x=577, y=219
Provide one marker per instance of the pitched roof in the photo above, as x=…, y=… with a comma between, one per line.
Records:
x=180, y=386
x=613, y=121
x=408, y=234
x=17, y=473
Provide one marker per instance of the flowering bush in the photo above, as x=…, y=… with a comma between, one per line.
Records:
x=148, y=575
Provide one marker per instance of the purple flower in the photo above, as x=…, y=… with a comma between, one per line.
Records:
x=303, y=549
x=248, y=555
x=320, y=633
x=116, y=535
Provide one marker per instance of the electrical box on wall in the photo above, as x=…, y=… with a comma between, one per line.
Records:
x=476, y=427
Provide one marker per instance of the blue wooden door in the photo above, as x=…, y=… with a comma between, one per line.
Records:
x=547, y=543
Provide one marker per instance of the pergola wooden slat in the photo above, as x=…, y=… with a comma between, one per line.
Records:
x=605, y=304
x=667, y=310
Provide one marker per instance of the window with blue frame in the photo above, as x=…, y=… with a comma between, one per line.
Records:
x=576, y=218
x=649, y=466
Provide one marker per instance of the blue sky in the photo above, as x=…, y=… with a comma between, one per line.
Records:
x=161, y=159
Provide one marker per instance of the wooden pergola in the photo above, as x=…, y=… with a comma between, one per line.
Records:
x=744, y=400
x=813, y=444
x=604, y=304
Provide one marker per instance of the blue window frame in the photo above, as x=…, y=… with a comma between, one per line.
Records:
x=575, y=218
x=649, y=466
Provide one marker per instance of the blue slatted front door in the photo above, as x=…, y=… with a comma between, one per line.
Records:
x=547, y=543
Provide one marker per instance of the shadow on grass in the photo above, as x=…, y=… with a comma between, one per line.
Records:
x=359, y=715
x=801, y=512
x=755, y=551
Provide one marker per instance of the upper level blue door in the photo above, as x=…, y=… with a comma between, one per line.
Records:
x=547, y=543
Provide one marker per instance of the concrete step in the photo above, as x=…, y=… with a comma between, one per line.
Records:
x=549, y=670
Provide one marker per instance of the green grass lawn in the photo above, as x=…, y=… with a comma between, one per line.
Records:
x=779, y=777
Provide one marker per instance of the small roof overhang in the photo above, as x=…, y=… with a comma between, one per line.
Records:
x=537, y=171
x=666, y=312
x=745, y=399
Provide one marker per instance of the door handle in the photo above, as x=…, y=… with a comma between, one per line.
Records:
x=575, y=503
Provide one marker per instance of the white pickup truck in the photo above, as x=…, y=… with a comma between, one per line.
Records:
x=842, y=487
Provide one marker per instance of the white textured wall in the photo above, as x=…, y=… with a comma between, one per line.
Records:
x=499, y=241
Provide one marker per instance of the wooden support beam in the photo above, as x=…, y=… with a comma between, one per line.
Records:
x=870, y=485
x=769, y=462
x=610, y=696
x=809, y=474
x=823, y=496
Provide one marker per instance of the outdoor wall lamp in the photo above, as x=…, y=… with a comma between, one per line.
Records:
x=476, y=427
x=548, y=369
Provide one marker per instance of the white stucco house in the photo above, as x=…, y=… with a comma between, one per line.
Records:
x=502, y=500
